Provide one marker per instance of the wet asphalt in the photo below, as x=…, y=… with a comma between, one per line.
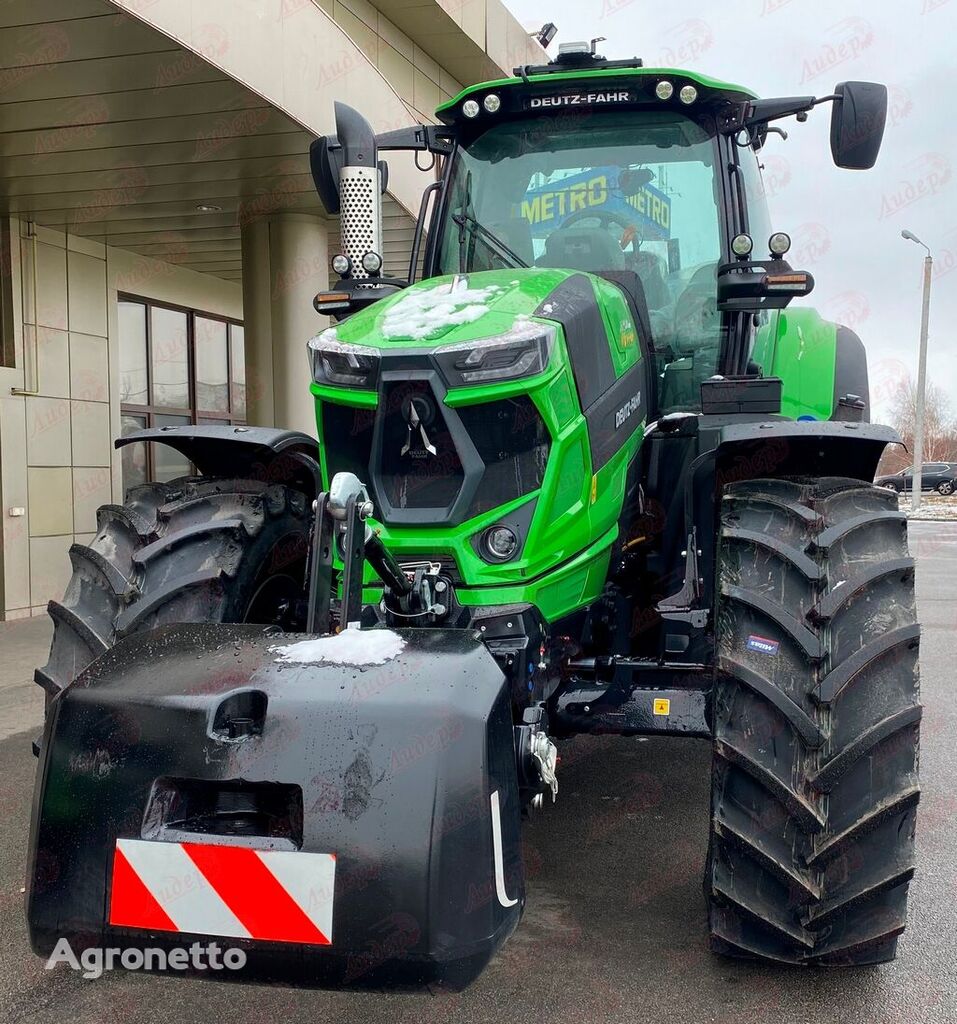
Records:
x=615, y=924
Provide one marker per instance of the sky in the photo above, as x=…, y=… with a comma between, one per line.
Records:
x=845, y=225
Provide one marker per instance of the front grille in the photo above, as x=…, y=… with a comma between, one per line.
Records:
x=347, y=437
x=428, y=464
x=419, y=465
x=513, y=442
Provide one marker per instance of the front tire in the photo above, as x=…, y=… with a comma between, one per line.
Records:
x=816, y=719
x=197, y=549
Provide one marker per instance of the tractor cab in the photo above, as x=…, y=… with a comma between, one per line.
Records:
x=632, y=195
x=648, y=177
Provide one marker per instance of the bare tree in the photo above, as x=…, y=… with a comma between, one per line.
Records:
x=939, y=425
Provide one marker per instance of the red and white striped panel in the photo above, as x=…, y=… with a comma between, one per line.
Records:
x=209, y=889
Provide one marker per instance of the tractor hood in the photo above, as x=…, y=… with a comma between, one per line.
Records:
x=447, y=310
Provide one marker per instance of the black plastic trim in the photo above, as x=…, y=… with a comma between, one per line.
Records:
x=850, y=372
x=260, y=453
x=574, y=305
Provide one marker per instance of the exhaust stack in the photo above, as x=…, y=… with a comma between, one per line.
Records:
x=360, y=189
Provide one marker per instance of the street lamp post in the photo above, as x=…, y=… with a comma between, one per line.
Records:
x=921, y=372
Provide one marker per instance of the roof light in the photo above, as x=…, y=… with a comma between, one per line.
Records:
x=575, y=47
x=341, y=264
x=741, y=245
x=470, y=108
x=779, y=243
x=664, y=90
x=491, y=102
x=688, y=94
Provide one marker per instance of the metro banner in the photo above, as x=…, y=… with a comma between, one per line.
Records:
x=596, y=191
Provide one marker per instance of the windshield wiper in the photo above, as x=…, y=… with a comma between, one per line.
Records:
x=469, y=224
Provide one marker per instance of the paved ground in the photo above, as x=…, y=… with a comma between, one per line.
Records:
x=615, y=925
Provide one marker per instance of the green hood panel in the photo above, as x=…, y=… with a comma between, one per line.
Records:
x=431, y=313
x=800, y=346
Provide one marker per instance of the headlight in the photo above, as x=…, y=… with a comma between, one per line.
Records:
x=499, y=543
x=522, y=352
x=372, y=262
x=344, y=365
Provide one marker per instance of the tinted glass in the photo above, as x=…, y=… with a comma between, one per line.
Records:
x=212, y=369
x=133, y=382
x=237, y=356
x=170, y=359
x=168, y=462
x=603, y=191
x=133, y=456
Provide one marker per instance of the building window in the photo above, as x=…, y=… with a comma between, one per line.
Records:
x=177, y=366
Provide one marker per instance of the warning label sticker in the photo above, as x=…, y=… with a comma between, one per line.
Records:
x=762, y=644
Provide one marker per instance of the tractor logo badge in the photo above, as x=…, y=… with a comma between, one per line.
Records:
x=417, y=443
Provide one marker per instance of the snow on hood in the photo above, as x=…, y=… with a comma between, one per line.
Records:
x=358, y=647
x=420, y=312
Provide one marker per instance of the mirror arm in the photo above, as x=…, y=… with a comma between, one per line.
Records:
x=436, y=138
x=763, y=111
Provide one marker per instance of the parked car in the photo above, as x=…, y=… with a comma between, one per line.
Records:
x=936, y=476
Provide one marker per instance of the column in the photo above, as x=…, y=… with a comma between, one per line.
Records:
x=285, y=262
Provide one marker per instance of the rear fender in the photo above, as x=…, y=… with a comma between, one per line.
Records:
x=261, y=453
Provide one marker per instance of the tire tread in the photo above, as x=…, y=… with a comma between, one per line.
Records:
x=814, y=789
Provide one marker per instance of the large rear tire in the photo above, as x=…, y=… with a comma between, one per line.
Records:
x=197, y=549
x=816, y=720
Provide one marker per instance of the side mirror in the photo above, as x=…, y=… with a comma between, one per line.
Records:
x=857, y=124
x=325, y=162
x=631, y=182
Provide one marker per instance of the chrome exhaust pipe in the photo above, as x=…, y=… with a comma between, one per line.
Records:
x=360, y=189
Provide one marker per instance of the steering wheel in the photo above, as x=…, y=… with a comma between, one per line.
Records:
x=605, y=220
x=604, y=217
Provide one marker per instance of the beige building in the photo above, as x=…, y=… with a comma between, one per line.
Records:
x=160, y=237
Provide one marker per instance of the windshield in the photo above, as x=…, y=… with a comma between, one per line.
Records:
x=602, y=191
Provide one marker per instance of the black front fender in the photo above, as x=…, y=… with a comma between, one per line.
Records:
x=744, y=451
x=262, y=453
x=694, y=458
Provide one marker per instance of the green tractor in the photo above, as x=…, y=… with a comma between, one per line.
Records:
x=589, y=474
